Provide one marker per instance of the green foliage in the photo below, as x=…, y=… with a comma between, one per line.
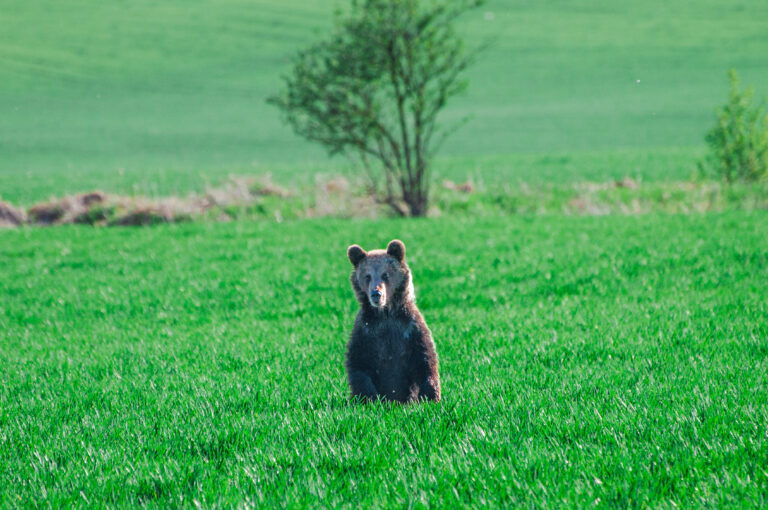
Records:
x=374, y=89
x=620, y=362
x=739, y=140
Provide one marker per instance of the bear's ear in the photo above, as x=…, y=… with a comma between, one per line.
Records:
x=355, y=254
x=396, y=249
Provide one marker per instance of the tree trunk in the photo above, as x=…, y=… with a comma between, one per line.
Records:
x=417, y=205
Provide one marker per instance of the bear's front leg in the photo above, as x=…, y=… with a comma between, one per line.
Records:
x=361, y=385
x=423, y=365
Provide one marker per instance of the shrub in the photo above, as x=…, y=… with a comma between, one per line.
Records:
x=739, y=141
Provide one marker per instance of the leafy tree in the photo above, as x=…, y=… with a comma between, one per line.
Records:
x=374, y=89
x=739, y=140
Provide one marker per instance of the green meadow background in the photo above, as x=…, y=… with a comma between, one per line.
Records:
x=615, y=361
x=160, y=98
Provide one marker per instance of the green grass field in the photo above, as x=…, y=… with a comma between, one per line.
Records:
x=164, y=97
x=612, y=361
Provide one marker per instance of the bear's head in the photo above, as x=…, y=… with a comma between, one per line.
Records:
x=381, y=278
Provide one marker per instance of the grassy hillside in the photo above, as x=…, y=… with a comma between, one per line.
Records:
x=162, y=97
x=585, y=361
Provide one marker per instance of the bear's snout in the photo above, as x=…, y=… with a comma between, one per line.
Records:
x=378, y=296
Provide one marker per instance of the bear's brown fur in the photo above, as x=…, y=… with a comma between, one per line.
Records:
x=391, y=355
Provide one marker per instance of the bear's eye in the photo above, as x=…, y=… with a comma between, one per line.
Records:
x=384, y=277
x=368, y=278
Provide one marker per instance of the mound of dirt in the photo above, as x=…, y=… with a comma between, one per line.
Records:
x=72, y=209
x=10, y=216
x=463, y=187
x=149, y=214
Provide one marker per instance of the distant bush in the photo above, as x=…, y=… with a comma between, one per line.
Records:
x=739, y=140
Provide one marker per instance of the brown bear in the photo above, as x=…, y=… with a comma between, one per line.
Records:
x=391, y=355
